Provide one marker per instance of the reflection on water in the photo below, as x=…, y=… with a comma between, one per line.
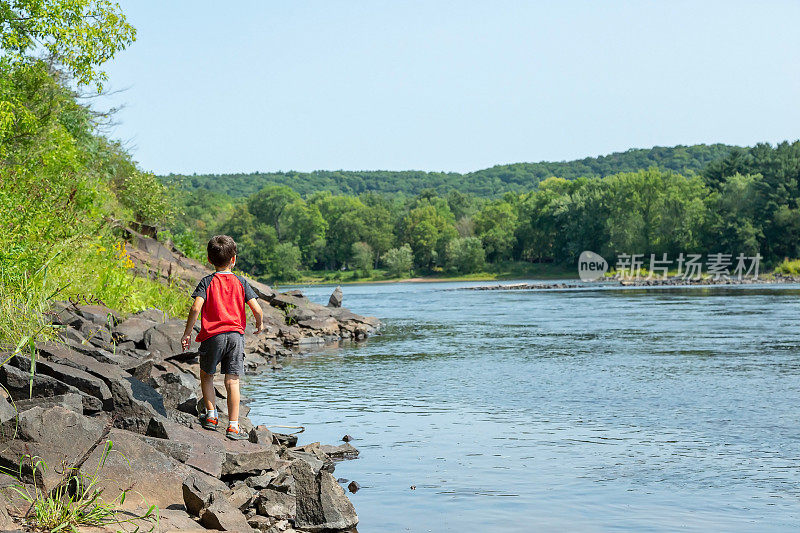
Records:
x=586, y=409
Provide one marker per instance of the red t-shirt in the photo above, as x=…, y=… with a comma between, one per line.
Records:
x=225, y=295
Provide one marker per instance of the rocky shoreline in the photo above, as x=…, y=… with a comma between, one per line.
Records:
x=126, y=380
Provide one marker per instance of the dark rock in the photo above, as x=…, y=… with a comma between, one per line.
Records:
x=154, y=315
x=71, y=401
x=313, y=456
x=321, y=502
x=135, y=403
x=17, y=383
x=92, y=332
x=222, y=515
x=7, y=411
x=249, y=462
x=164, y=338
x=72, y=334
x=141, y=370
x=99, y=314
x=56, y=435
x=284, y=481
x=347, y=438
x=65, y=314
x=196, y=494
x=343, y=451
x=276, y=504
x=353, y=487
x=132, y=329
x=240, y=496
x=153, y=477
x=177, y=388
x=261, y=481
x=180, y=451
x=336, y=298
x=290, y=441
x=83, y=381
x=261, y=435
x=261, y=523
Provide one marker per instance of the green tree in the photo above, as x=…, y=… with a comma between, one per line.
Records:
x=80, y=34
x=304, y=226
x=465, y=255
x=268, y=205
x=398, y=261
x=495, y=225
x=428, y=230
x=284, y=262
x=148, y=198
x=362, y=258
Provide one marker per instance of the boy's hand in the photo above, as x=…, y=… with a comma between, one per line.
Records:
x=259, y=328
x=186, y=340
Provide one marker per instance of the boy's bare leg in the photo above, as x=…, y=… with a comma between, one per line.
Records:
x=232, y=386
x=207, y=386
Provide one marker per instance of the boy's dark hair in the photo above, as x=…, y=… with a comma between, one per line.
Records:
x=221, y=250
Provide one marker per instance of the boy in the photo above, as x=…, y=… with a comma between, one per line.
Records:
x=221, y=297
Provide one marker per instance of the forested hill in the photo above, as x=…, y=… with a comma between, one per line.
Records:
x=489, y=182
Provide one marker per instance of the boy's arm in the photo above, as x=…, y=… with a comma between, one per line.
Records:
x=194, y=312
x=257, y=313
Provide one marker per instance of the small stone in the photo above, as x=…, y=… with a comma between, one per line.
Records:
x=353, y=486
x=347, y=438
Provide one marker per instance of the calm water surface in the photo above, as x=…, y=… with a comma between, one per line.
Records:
x=581, y=410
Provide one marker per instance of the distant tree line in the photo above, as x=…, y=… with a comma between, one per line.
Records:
x=490, y=182
x=743, y=202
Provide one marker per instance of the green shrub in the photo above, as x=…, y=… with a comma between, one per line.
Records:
x=465, y=255
x=362, y=258
x=398, y=261
x=789, y=267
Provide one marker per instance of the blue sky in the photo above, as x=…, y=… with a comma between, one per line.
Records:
x=440, y=85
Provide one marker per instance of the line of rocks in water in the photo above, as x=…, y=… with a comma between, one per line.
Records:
x=521, y=286
x=127, y=380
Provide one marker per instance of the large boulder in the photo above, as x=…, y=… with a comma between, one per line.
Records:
x=276, y=504
x=336, y=298
x=135, y=404
x=164, y=338
x=133, y=329
x=321, y=501
x=153, y=477
x=71, y=401
x=179, y=389
x=213, y=505
x=18, y=384
x=7, y=411
x=83, y=381
x=212, y=453
x=343, y=451
x=56, y=435
x=99, y=314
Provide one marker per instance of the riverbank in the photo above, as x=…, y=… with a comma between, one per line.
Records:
x=119, y=391
x=504, y=271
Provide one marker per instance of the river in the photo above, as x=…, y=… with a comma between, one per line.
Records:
x=599, y=409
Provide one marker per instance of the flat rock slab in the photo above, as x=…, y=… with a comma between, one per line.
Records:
x=133, y=329
x=57, y=435
x=212, y=453
x=153, y=477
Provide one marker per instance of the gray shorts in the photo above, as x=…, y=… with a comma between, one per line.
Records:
x=226, y=348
